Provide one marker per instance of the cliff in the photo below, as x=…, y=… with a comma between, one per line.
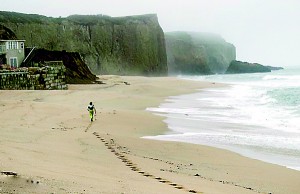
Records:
x=245, y=67
x=132, y=45
x=198, y=53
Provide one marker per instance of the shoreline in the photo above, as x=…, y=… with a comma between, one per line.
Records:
x=178, y=110
x=54, y=148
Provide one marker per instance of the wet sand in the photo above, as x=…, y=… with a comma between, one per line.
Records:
x=48, y=140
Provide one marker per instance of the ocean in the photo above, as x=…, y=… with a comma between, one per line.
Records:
x=256, y=115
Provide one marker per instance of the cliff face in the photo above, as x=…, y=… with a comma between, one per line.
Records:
x=126, y=45
x=197, y=53
x=245, y=67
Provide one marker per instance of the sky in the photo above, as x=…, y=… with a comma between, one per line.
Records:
x=263, y=31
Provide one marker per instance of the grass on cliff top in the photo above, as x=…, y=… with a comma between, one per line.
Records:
x=15, y=17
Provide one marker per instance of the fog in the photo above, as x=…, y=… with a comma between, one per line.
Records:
x=263, y=31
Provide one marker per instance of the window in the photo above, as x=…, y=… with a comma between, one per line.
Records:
x=2, y=49
x=22, y=45
x=12, y=45
x=13, y=62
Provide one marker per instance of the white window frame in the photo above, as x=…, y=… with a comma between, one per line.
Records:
x=12, y=45
x=13, y=60
x=2, y=49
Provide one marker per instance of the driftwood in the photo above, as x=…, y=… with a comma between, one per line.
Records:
x=9, y=173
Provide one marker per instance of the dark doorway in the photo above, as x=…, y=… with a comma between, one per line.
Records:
x=2, y=59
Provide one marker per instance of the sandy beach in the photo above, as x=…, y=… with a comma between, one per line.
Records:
x=48, y=140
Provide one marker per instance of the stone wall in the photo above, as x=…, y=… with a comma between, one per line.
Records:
x=35, y=78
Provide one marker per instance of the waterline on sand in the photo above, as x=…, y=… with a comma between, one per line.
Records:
x=256, y=116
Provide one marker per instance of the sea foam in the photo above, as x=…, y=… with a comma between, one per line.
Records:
x=256, y=116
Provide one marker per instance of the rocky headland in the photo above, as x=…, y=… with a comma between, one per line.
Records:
x=245, y=67
x=198, y=53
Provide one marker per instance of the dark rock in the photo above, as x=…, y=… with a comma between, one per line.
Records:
x=244, y=67
x=274, y=68
x=6, y=33
x=77, y=72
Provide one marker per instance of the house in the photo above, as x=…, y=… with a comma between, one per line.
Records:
x=12, y=52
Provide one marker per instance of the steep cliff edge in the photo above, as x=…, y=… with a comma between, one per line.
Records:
x=198, y=53
x=132, y=45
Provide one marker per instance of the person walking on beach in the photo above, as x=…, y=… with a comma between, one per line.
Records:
x=92, y=110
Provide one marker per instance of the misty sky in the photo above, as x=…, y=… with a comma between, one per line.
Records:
x=263, y=31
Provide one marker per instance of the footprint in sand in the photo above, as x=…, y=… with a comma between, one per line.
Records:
x=164, y=181
x=179, y=187
x=134, y=168
x=111, y=146
x=88, y=127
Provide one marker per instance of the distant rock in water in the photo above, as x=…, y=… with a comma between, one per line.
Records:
x=198, y=53
x=245, y=67
x=274, y=68
x=132, y=45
